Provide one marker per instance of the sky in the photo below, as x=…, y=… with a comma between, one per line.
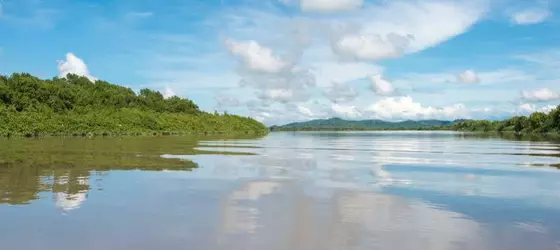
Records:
x=280, y=61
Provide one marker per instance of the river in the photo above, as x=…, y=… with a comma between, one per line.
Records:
x=286, y=191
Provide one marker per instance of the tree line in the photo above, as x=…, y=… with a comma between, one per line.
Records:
x=537, y=122
x=75, y=105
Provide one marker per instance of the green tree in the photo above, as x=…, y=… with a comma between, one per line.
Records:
x=76, y=105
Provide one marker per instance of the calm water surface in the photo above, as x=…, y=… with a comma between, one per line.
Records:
x=287, y=191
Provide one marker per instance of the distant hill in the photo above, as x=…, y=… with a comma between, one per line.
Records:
x=341, y=124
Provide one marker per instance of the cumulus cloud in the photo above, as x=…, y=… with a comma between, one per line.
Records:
x=371, y=46
x=340, y=93
x=418, y=25
x=330, y=5
x=345, y=111
x=527, y=108
x=530, y=16
x=168, y=92
x=381, y=86
x=540, y=95
x=274, y=78
x=256, y=57
x=468, y=76
x=74, y=65
x=404, y=108
x=372, y=32
x=281, y=95
x=401, y=108
x=276, y=113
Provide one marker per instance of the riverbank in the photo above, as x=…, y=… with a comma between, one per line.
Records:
x=123, y=122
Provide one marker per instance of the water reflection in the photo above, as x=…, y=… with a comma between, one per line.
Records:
x=63, y=167
x=292, y=191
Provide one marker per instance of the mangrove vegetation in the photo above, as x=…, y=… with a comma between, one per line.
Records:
x=74, y=105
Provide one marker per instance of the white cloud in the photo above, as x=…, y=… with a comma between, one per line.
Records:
x=281, y=95
x=227, y=101
x=540, y=95
x=283, y=87
x=328, y=72
x=371, y=47
x=274, y=78
x=262, y=116
x=505, y=76
x=330, y=5
x=417, y=26
x=304, y=111
x=530, y=16
x=468, y=76
x=340, y=93
x=528, y=108
x=168, y=92
x=404, y=108
x=487, y=77
x=414, y=79
x=74, y=65
x=381, y=86
x=549, y=58
x=278, y=113
x=375, y=31
x=256, y=57
x=345, y=111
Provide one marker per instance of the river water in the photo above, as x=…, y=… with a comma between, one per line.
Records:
x=286, y=191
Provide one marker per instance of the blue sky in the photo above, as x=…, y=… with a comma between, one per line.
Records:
x=291, y=60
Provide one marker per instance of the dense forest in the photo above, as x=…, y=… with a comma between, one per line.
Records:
x=536, y=123
x=74, y=105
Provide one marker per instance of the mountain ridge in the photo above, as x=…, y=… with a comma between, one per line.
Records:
x=339, y=123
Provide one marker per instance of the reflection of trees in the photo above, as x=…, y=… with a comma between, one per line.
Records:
x=63, y=167
x=19, y=185
x=21, y=182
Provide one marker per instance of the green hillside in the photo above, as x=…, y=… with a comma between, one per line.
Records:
x=31, y=106
x=536, y=123
x=341, y=124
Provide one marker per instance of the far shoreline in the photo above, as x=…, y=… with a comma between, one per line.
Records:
x=547, y=135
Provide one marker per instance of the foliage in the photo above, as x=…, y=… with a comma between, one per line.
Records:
x=75, y=105
x=537, y=122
